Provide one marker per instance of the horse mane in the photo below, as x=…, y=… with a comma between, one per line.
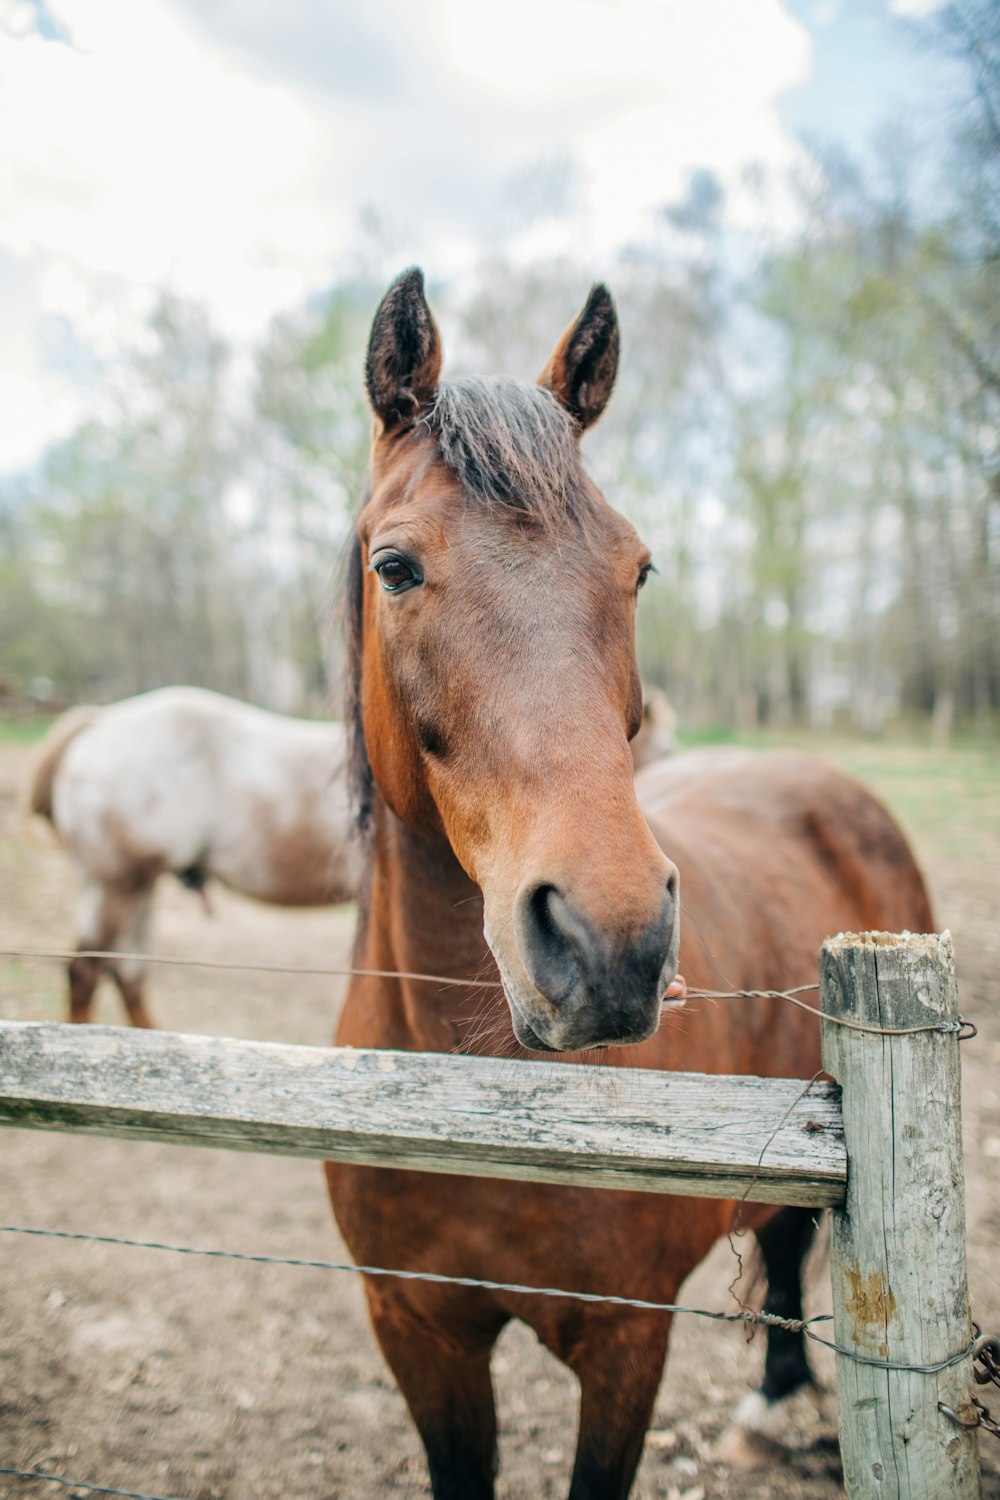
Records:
x=360, y=783
x=512, y=446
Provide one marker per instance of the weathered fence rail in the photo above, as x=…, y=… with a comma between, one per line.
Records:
x=682, y=1133
x=882, y=1146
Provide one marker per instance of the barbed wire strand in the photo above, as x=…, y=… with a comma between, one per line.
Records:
x=80, y=1484
x=212, y=963
x=964, y=1029
x=948, y=1027
x=747, y=1315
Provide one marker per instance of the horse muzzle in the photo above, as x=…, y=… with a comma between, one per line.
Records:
x=584, y=987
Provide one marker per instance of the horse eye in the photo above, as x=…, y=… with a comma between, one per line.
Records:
x=644, y=573
x=395, y=574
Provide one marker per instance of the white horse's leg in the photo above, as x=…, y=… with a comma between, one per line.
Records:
x=93, y=932
x=130, y=973
x=111, y=919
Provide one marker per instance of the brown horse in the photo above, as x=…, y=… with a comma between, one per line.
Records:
x=491, y=601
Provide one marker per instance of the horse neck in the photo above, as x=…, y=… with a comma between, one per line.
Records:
x=423, y=915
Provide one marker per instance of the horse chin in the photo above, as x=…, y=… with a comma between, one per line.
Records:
x=525, y=1032
x=528, y=1037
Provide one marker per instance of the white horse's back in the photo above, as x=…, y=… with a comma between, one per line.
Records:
x=192, y=782
x=186, y=778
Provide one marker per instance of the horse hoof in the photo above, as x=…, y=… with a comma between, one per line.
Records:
x=742, y=1449
x=759, y=1431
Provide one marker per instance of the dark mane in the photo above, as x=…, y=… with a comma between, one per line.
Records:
x=359, y=771
x=510, y=444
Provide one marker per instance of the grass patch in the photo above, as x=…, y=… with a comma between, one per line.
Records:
x=947, y=800
x=24, y=731
x=712, y=734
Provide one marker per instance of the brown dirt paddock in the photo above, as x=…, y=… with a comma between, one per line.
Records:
x=219, y=1380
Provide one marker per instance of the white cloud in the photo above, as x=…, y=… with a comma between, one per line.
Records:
x=29, y=416
x=135, y=153
x=228, y=151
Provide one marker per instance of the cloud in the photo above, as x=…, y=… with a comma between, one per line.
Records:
x=467, y=97
x=230, y=150
x=347, y=50
x=134, y=153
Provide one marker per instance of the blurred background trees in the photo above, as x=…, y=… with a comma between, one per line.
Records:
x=805, y=431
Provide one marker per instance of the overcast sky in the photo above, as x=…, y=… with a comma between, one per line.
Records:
x=239, y=151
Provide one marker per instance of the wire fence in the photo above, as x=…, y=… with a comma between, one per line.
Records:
x=964, y=1029
x=40, y=1475
x=984, y=1350
x=749, y=1317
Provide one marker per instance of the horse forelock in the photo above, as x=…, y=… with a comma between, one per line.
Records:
x=511, y=445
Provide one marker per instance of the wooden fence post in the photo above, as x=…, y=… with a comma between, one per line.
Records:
x=898, y=1244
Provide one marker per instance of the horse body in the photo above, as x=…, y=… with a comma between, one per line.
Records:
x=494, y=692
x=185, y=781
x=767, y=873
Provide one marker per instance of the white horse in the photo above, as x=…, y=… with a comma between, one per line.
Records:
x=657, y=737
x=188, y=782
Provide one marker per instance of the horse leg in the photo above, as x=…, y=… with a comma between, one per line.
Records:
x=784, y=1243
x=92, y=927
x=130, y=987
x=111, y=919
x=618, y=1360
x=130, y=973
x=84, y=975
x=442, y=1366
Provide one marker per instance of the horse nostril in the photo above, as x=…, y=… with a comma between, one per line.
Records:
x=547, y=946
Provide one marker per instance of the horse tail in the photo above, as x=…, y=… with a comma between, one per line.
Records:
x=50, y=753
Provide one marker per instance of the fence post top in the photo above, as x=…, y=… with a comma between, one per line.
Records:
x=915, y=942
x=896, y=983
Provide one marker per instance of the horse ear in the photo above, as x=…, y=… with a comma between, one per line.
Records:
x=583, y=366
x=404, y=353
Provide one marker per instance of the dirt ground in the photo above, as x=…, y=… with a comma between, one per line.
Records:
x=218, y=1380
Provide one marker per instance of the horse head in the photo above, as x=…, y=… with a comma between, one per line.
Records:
x=492, y=598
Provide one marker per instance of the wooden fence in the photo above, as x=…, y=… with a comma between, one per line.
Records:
x=881, y=1146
